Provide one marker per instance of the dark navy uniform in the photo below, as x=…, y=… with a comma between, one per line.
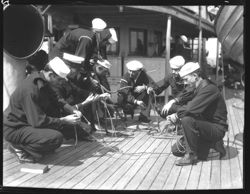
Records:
x=204, y=119
x=172, y=80
x=31, y=121
x=79, y=42
x=127, y=96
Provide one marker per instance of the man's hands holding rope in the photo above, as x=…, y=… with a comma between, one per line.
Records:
x=139, y=89
x=95, y=97
x=166, y=107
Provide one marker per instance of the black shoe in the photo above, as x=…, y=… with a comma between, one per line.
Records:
x=188, y=159
x=219, y=147
x=22, y=156
x=88, y=138
x=143, y=119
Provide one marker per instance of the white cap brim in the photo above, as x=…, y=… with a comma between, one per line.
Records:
x=98, y=24
x=73, y=58
x=59, y=67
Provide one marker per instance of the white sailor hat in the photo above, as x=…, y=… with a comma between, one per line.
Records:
x=176, y=62
x=113, y=39
x=188, y=68
x=184, y=38
x=59, y=67
x=98, y=24
x=134, y=65
x=105, y=63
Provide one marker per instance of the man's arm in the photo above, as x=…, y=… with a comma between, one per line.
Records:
x=161, y=85
x=200, y=102
x=36, y=117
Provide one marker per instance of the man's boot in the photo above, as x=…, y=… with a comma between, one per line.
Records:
x=188, y=159
x=219, y=147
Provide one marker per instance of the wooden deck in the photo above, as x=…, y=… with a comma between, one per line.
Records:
x=135, y=160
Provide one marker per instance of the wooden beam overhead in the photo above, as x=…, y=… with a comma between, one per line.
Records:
x=179, y=13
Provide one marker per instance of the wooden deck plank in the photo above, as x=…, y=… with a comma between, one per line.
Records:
x=225, y=172
x=15, y=172
x=174, y=174
x=205, y=175
x=235, y=173
x=78, y=159
x=89, y=175
x=164, y=173
x=215, y=180
x=194, y=177
x=155, y=169
x=235, y=115
x=30, y=179
x=150, y=161
x=116, y=165
x=235, y=146
x=10, y=168
x=112, y=180
x=79, y=176
x=182, y=179
x=131, y=172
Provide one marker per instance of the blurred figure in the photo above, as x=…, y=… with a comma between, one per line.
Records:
x=37, y=62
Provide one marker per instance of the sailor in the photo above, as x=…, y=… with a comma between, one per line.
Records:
x=180, y=94
x=141, y=86
x=32, y=124
x=204, y=118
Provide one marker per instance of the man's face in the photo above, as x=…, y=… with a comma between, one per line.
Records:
x=101, y=71
x=190, y=79
x=52, y=76
x=133, y=74
x=175, y=71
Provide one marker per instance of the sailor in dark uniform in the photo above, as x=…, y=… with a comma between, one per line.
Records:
x=141, y=85
x=204, y=118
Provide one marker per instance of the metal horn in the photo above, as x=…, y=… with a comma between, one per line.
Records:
x=23, y=30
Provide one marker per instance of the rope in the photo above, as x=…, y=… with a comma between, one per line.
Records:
x=103, y=143
x=112, y=92
x=76, y=140
x=112, y=125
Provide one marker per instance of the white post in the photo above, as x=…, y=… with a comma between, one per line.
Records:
x=167, y=67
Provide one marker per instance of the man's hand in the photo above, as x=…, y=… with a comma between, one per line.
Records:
x=71, y=119
x=149, y=90
x=78, y=113
x=173, y=117
x=105, y=96
x=139, y=89
x=166, y=107
x=140, y=103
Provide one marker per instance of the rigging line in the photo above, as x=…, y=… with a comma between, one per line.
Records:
x=76, y=140
x=106, y=90
x=103, y=143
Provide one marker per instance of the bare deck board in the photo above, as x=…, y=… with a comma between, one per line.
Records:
x=144, y=162
x=215, y=180
x=66, y=165
x=121, y=158
x=95, y=170
x=205, y=175
x=194, y=176
x=156, y=168
x=143, y=171
x=135, y=154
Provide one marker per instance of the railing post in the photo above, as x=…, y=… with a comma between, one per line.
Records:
x=167, y=67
